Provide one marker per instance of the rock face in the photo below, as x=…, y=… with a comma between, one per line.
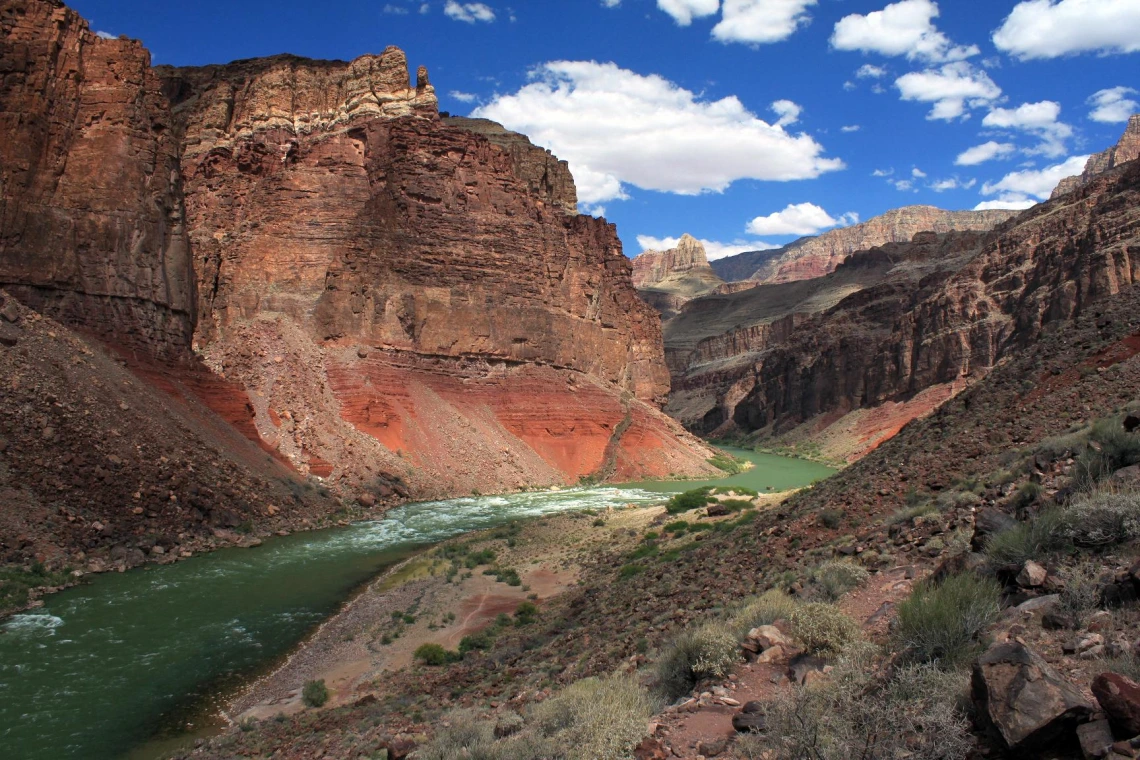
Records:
x=546, y=176
x=1120, y=698
x=92, y=224
x=1127, y=149
x=1025, y=699
x=360, y=270
x=816, y=256
x=899, y=329
x=667, y=280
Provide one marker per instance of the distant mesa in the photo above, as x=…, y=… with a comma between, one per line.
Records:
x=1127, y=149
x=669, y=279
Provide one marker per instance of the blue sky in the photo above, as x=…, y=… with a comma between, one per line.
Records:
x=744, y=122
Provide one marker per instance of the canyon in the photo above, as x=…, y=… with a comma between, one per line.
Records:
x=304, y=252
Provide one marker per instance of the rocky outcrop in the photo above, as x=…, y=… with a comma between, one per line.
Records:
x=667, y=280
x=92, y=228
x=887, y=343
x=816, y=256
x=1127, y=149
x=354, y=271
x=545, y=174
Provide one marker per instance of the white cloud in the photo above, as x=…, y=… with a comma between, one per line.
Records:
x=761, y=21
x=610, y=4
x=917, y=173
x=799, y=219
x=469, y=12
x=617, y=127
x=1007, y=201
x=882, y=172
x=903, y=185
x=713, y=249
x=106, y=36
x=1048, y=29
x=850, y=128
x=1038, y=119
x=870, y=71
x=463, y=97
x=902, y=28
x=1113, y=105
x=1016, y=187
x=788, y=112
x=397, y=10
x=987, y=151
x=684, y=11
x=951, y=183
x=952, y=88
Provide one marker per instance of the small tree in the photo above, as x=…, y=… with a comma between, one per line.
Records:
x=315, y=693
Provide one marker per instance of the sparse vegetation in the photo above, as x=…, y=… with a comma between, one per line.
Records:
x=689, y=500
x=822, y=628
x=729, y=464
x=315, y=693
x=765, y=609
x=1110, y=448
x=941, y=622
x=434, y=655
x=706, y=652
x=1034, y=539
x=16, y=585
x=1105, y=517
x=830, y=518
x=834, y=579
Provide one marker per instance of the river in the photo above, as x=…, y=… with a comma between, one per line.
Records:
x=105, y=668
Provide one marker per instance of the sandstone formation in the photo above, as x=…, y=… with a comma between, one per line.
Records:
x=1127, y=149
x=393, y=299
x=92, y=227
x=816, y=256
x=667, y=280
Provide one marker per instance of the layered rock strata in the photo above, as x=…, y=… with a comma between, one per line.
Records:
x=92, y=227
x=342, y=261
x=1127, y=149
x=669, y=279
x=816, y=256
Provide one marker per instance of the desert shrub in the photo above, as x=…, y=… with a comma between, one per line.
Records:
x=727, y=463
x=473, y=641
x=689, y=500
x=763, y=610
x=315, y=693
x=1103, y=518
x=834, y=579
x=526, y=613
x=464, y=736
x=941, y=622
x=1081, y=595
x=434, y=655
x=948, y=500
x=1026, y=494
x=630, y=570
x=915, y=714
x=906, y=514
x=601, y=718
x=1110, y=448
x=735, y=505
x=1127, y=665
x=822, y=628
x=677, y=526
x=707, y=652
x=830, y=518
x=1041, y=536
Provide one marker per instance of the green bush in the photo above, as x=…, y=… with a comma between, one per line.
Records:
x=916, y=714
x=1081, y=595
x=628, y=571
x=526, y=613
x=474, y=641
x=707, y=652
x=834, y=579
x=763, y=610
x=1110, y=448
x=433, y=654
x=1103, y=518
x=822, y=628
x=677, y=526
x=1027, y=494
x=906, y=514
x=689, y=500
x=941, y=622
x=315, y=693
x=1041, y=536
x=728, y=463
x=830, y=518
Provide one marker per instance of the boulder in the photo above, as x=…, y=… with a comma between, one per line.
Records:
x=1096, y=739
x=1024, y=699
x=1120, y=698
x=749, y=722
x=767, y=636
x=717, y=510
x=987, y=522
x=1032, y=575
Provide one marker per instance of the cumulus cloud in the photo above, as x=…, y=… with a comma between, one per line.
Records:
x=469, y=12
x=1048, y=29
x=757, y=22
x=917, y=173
x=1040, y=119
x=870, y=71
x=713, y=248
x=611, y=4
x=105, y=36
x=463, y=97
x=1022, y=189
x=799, y=219
x=987, y=151
x=617, y=127
x=850, y=128
x=396, y=10
x=684, y=11
x=1007, y=202
x=788, y=112
x=951, y=183
x=902, y=28
x=952, y=88
x=1113, y=105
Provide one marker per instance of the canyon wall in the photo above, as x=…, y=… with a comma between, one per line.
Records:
x=816, y=256
x=669, y=279
x=1126, y=149
x=394, y=304
x=92, y=227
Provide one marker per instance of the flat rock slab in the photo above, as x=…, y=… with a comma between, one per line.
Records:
x=1120, y=698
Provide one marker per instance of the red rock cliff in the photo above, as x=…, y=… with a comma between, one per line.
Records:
x=91, y=217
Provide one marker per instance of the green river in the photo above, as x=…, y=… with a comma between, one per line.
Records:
x=122, y=666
